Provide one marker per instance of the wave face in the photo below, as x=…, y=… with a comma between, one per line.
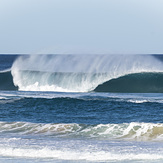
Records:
x=84, y=73
x=134, y=83
x=6, y=81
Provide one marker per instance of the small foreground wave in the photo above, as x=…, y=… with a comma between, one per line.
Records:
x=129, y=131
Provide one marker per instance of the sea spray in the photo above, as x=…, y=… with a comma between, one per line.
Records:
x=77, y=73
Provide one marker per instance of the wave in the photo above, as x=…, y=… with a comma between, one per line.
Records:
x=130, y=131
x=147, y=82
x=6, y=81
x=85, y=73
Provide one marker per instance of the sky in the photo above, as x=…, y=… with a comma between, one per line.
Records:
x=81, y=26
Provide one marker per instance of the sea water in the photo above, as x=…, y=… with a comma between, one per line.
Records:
x=51, y=110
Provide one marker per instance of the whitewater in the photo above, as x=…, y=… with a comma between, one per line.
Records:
x=81, y=108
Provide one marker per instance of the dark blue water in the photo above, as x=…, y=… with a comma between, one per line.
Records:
x=6, y=61
x=83, y=110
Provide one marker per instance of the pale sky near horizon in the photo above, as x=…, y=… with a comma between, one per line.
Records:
x=81, y=26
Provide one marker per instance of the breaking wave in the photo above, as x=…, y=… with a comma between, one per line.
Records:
x=85, y=73
x=130, y=131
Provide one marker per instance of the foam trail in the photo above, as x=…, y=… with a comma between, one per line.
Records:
x=77, y=73
x=77, y=155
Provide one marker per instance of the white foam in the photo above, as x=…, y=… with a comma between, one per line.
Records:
x=36, y=87
x=76, y=155
x=138, y=101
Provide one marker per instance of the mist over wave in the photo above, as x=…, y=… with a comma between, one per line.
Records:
x=77, y=73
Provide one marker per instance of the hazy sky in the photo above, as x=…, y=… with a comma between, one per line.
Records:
x=81, y=26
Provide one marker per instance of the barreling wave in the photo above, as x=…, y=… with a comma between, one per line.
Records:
x=147, y=82
x=130, y=131
x=81, y=73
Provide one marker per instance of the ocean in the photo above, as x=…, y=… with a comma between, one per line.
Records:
x=81, y=108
